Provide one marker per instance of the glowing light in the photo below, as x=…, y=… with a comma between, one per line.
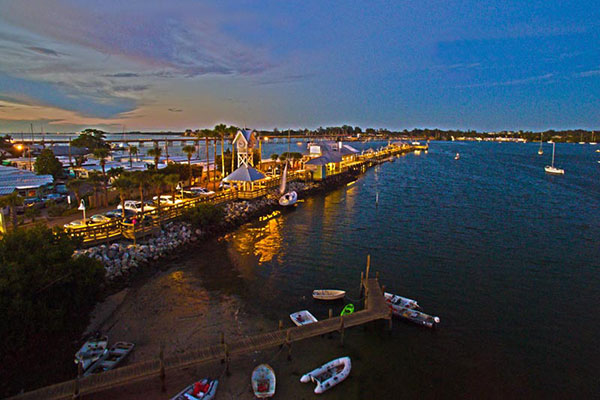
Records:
x=19, y=147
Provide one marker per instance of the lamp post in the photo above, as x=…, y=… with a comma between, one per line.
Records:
x=180, y=188
x=82, y=208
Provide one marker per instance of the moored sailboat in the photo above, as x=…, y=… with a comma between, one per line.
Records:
x=551, y=169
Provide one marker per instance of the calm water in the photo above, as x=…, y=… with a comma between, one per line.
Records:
x=507, y=256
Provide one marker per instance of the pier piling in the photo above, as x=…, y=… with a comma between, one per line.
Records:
x=162, y=375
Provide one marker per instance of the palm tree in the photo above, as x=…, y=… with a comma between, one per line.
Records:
x=156, y=153
x=12, y=201
x=102, y=154
x=133, y=150
x=95, y=179
x=172, y=180
x=206, y=133
x=221, y=129
x=123, y=184
x=76, y=186
x=142, y=179
x=158, y=181
x=189, y=150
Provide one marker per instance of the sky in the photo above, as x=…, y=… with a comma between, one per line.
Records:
x=172, y=65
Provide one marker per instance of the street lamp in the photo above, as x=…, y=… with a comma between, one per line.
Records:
x=179, y=187
x=82, y=208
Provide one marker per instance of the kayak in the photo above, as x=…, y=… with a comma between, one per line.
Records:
x=328, y=375
x=349, y=309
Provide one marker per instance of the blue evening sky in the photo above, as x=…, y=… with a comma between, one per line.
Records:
x=171, y=65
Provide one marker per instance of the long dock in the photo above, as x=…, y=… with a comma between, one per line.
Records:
x=375, y=309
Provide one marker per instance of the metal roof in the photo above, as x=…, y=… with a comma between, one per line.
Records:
x=12, y=179
x=326, y=158
x=244, y=174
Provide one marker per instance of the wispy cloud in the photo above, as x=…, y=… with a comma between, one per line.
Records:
x=176, y=110
x=511, y=82
x=122, y=75
x=288, y=78
x=586, y=74
x=44, y=51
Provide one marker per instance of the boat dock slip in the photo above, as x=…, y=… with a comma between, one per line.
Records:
x=375, y=309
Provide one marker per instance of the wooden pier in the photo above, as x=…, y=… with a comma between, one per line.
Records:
x=375, y=309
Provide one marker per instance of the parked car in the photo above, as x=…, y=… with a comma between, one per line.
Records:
x=118, y=213
x=33, y=202
x=227, y=185
x=57, y=198
x=201, y=191
x=167, y=200
x=99, y=219
x=78, y=223
x=136, y=206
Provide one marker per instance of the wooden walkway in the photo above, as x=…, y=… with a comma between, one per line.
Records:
x=375, y=309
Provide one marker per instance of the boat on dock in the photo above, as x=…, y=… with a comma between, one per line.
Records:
x=419, y=318
x=91, y=351
x=349, y=309
x=398, y=303
x=303, y=317
x=328, y=294
x=263, y=381
x=204, y=389
x=111, y=359
x=328, y=375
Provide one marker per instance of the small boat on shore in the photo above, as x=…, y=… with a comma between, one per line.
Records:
x=263, y=381
x=111, y=359
x=328, y=294
x=204, y=389
x=328, y=375
x=91, y=351
x=303, y=317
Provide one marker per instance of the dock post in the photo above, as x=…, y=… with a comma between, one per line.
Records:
x=76, y=394
x=288, y=344
x=280, y=324
x=390, y=324
x=368, y=267
x=342, y=330
x=377, y=275
x=227, y=359
x=161, y=357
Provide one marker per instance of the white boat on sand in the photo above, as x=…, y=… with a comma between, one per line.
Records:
x=328, y=375
x=263, y=381
x=303, y=317
x=328, y=294
x=204, y=389
x=91, y=351
x=111, y=359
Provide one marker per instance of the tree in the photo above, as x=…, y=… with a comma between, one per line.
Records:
x=189, y=150
x=221, y=130
x=123, y=184
x=12, y=201
x=76, y=186
x=133, y=150
x=156, y=153
x=91, y=139
x=158, y=181
x=206, y=134
x=274, y=156
x=45, y=293
x=172, y=180
x=95, y=179
x=47, y=164
x=102, y=154
x=142, y=179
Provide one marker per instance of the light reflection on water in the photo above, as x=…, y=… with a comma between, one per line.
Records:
x=507, y=256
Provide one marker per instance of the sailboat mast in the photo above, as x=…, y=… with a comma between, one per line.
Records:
x=553, y=147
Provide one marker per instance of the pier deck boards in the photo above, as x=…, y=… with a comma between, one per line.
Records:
x=375, y=309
